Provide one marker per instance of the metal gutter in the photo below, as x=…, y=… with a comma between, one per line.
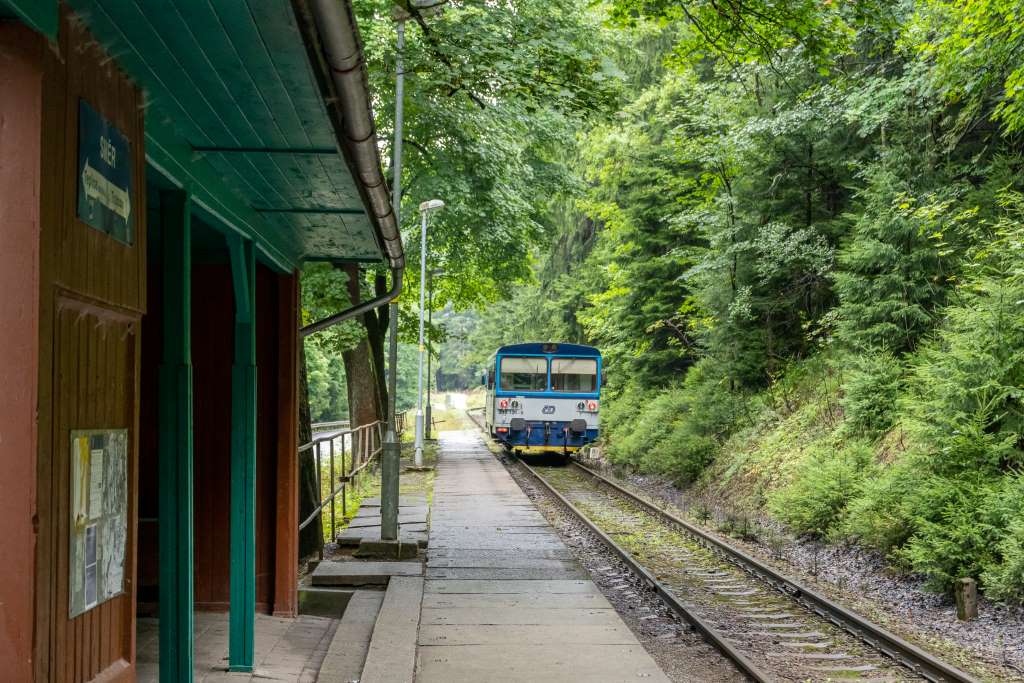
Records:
x=335, y=50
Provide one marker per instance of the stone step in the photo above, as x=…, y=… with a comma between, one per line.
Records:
x=391, y=656
x=362, y=573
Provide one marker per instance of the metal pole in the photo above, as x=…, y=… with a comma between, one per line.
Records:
x=419, y=383
x=428, y=424
x=333, y=518
x=320, y=497
x=391, y=451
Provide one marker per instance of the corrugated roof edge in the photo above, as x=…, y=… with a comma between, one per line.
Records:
x=335, y=49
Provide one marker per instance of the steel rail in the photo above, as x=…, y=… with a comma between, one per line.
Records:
x=709, y=632
x=888, y=643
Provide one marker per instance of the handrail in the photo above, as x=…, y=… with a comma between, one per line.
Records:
x=365, y=444
x=336, y=424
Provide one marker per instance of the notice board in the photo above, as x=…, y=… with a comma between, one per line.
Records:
x=99, y=516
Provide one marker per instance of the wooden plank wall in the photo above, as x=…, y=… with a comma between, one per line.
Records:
x=92, y=297
x=212, y=350
x=21, y=83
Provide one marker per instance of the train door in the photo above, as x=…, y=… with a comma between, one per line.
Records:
x=489, y=400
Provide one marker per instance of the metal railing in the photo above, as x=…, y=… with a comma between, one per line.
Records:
x=356, y=448
x=328, y=426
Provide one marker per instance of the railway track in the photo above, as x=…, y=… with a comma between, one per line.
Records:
x=771, y=626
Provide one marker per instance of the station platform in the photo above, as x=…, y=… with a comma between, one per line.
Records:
x=500, y=597
x=503, y=599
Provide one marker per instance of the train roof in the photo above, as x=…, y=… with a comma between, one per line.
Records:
x=555, y=348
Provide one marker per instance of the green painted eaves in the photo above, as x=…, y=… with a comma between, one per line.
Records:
x=233, y=77
x=39, y=14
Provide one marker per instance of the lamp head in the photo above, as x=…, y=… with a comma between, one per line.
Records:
x=431, y=205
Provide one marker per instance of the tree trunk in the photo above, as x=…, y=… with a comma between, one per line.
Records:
x=364, y=404
x=311, y=539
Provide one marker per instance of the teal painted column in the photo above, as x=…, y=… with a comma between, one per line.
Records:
x=243, y=458
x=175, y=443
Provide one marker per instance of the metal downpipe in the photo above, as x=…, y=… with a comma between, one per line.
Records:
x=358, y=309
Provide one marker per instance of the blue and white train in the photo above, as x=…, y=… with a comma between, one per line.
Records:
x=543, y=397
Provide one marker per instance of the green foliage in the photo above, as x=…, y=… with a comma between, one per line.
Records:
x=675, y=432
x=815, y=502
x=492, y=95
x=798, y=244
x=891, y=275
x=978, y=50
x=871, y=388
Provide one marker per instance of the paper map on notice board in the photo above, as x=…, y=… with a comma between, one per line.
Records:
x=99, y=516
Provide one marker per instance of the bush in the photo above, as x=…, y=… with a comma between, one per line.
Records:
x=675, y=433
x=816, y=500
x=876, y=517
x=1004, y=579
x=952, y=537
x=871, y=386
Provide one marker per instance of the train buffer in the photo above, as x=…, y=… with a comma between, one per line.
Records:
x=497, y=596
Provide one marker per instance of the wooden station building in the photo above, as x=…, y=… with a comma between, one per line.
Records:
x=165, y=168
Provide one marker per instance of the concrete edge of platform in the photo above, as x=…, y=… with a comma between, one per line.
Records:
x=391, y=656
x=346, y=654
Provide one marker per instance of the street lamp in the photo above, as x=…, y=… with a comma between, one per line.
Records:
x=425, y=209
x=428, y=422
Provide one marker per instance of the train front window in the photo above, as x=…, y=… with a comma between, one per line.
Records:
x=524, y=374
x=573, y=374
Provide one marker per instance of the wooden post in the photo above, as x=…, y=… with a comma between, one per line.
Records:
x=286, y=564
x=175, y=449
x=243, y=459
x=966, y=591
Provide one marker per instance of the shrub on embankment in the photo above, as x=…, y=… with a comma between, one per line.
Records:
x=918, y=455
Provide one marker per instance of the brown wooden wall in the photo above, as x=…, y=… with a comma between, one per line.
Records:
x=21, y=83
x=212, y=354
x=92, y=297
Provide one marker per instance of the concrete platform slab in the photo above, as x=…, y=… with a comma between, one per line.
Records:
x=361, y=573
x=391, y=657
x=499, y=563
x=538, y=553
x=510, y=587
x=536, y=615
x=346, y=654
x=530, y=573
x=503, y=598
x=515, y=663
x=534, y=634
x=403, y=501
x=353, y=537
x=491, y=601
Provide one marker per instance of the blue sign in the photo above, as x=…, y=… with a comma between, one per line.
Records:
x=104, y=175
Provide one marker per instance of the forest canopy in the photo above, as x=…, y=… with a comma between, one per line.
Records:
x=798, y=242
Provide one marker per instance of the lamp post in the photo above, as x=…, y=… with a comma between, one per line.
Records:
x=425, y=209
x=428, y=421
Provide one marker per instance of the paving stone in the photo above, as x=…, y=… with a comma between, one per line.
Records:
x=614, y=633
x=391, y=656
x=346, y=654
x=403, y=501
x=554, y=663
x=504, y=600
x=531, y=573
x=360, y=573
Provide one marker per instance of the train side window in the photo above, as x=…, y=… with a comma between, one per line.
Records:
x=524, y=374
x=490, y=377
x=573, y=374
